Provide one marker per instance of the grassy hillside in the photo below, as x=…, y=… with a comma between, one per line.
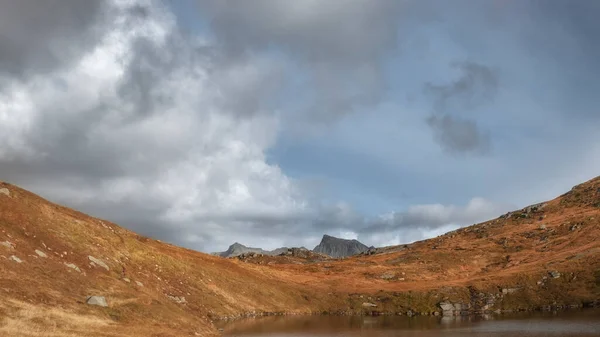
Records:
x=52, y=258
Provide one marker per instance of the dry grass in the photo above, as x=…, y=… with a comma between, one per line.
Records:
x=28, y=320
x=42, y=297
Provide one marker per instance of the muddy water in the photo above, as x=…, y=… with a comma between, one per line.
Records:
x=564, y=324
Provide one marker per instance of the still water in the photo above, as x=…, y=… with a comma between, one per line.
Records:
x=580, y=323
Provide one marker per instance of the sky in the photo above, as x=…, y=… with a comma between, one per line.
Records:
x=271, y=123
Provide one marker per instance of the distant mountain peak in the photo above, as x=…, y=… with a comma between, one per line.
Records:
x=337, y=247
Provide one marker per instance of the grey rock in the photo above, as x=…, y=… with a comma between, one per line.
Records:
x=139, y=284
x=40, y=253
x=7, y=244
x=554, y=274
x=72, y=266
x=177, y=299
x=447, y=306
x=5, y=191
x=99, y=262
x=369, y=305
x=388, y=275
x=97, y=300
x=16, y=259
x=126, y=279
x=542, y=227
x=337, y=247
x=506, y=291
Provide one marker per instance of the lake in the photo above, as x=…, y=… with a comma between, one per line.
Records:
x=576, y=323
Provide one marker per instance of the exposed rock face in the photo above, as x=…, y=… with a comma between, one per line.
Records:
x=72, y=266
x=99, y=262
x=97, y=300
x=238, y=249
x=337, y=247
x=40, y=253
x=454, y=309
x=5, y=192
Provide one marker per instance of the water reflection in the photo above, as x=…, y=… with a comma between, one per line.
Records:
x=567, y=324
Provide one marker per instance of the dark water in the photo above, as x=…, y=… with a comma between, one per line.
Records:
x=581, y=323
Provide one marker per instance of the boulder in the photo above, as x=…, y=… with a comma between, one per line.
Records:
x=554, y=274
x=98, y=262
x=72, y=266
x=16, y=259
x=177, y=299
x=388, y=275
x=40, y=253
x=139, y=284
x=7, y=244
x=369, y=305
x=97, y=300
x=5, y=192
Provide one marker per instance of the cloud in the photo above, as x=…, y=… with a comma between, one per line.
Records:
x=476, y=86
x=341, y=45
x=459, y=136
x=435, y=216
x=139, y=132
x=39, y=36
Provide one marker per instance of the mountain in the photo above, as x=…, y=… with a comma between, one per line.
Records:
x=52, y=258
x=238, y=249
x=336, y=247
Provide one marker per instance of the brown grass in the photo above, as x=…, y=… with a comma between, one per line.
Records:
x=42, y=297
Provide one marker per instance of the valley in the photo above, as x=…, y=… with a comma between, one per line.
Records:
x=54, y=258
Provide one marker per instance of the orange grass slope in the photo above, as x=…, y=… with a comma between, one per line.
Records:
x=52, y=258
x=521, y=252
x=47, y=255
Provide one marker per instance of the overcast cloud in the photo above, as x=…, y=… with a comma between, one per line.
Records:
x=203, y=123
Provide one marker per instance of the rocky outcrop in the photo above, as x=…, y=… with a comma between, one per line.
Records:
x=94, y=261
x=238, y=249
x=454, y=309
x=97, y=300
x=337, y=247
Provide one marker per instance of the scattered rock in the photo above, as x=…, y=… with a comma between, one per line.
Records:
x=5, y=191
x=140, y=284
x=16, y=259
x=388, y=275
x=97, y=300
x=7, y=244
x=509, y=290
x=126, y=279
x=99, y=262
x=72, y=266
x=177, y=299
x=40, y=253
x=554, y=274
x=369, y=305
x=542, y=227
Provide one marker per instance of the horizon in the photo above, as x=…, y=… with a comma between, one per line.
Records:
x=200, y=123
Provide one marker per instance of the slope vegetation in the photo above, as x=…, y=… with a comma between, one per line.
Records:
x=52, y=258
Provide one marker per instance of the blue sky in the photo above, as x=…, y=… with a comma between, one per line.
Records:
x=271, y=123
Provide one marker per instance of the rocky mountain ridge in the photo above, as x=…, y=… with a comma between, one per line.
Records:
x=329, y=245
x=336, y=247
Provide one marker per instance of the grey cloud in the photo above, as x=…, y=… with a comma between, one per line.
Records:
x=434, y=216
x=342, y=44
x=38, y=36
x=459, y=136
x=476, y=86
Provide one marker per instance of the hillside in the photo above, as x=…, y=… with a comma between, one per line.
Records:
x=53, y=258
x=336, y=247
